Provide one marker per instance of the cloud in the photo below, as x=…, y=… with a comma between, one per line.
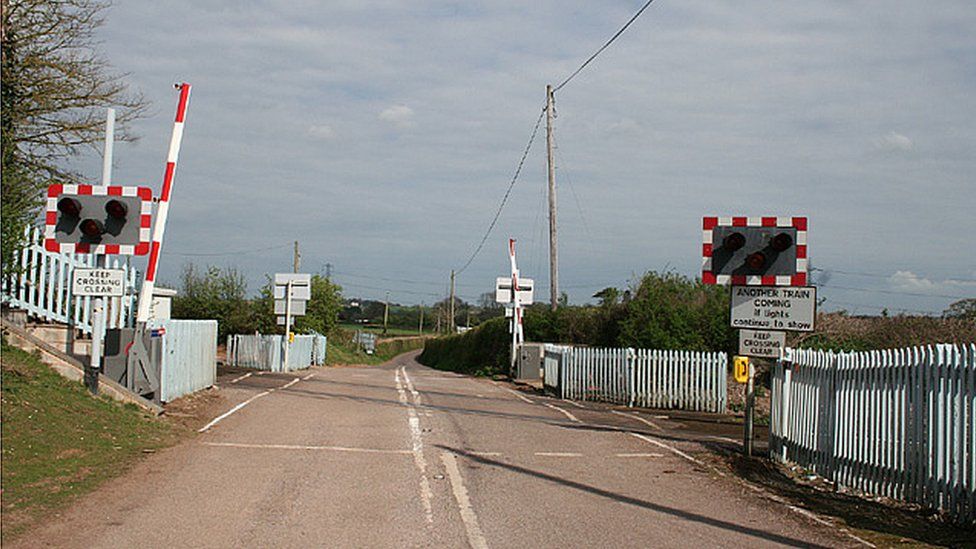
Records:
x=893, y=142
x=907, y=281
x=321, y=131
x=400, y=116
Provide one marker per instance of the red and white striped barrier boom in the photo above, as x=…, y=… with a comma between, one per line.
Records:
x=159, y=225
x=517, y=334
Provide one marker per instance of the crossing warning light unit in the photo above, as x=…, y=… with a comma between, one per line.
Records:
x=754, y=251
x=97, y=219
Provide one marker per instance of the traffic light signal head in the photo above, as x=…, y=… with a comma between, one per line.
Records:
x=98, y=219
x=768, y=251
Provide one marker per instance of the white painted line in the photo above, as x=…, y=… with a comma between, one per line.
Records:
x=558, y=454
x=518, y=394
x=564, y=412
x=662, y=417
x=724, y=439
x=640, y=419
x=476, y=539
x=289, y=384
x=303, y=447
x=308, y=377
x=221, y=417
x=675, y=450
x=648, y=455
x=486, y=454
x=417, y=448
x=577, y=404
x=245, y=376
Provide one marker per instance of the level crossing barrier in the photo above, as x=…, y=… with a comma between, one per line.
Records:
x=42, y=286
x=678, y=380
x=899, y=423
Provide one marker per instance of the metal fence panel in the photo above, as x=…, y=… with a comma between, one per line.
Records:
x=264, y=352
x=899, y=423
x=43, y=286
x=189, y=356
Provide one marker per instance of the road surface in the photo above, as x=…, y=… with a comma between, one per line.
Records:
x=405, y=456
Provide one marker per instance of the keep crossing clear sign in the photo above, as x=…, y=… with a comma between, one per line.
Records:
x=98, y=282
x=790, y=308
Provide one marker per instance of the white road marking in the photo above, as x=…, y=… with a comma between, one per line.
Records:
x=222, y=416
x=486, y=454
x=649, y=455
x=675, y=450
x=518, y=394
x=303, y=447
x=417, y=448
x=306, y=378
x=662, y=417
x=290, y=383
x=564, y=412
x=558, y=454
x=577, y=404
x=476, y=539
x=640, y=419
x=245, y=376
x=724, y=439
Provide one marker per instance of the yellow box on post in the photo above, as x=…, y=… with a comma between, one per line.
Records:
x=740, y=368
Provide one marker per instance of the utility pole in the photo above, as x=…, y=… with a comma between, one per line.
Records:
x=452, y=303
x=386, y=312
x=328, y=271
x=298, y=257
x=421, y=328
x=553, y=261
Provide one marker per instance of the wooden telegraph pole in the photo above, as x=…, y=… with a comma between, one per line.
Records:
x=297, y=258
x=553, y=260
x=452, y=325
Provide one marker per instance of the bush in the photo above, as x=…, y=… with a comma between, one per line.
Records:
x=481, y=351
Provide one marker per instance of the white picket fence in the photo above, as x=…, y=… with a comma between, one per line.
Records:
x=680, y=380
x=43, y=287
x=899, y=423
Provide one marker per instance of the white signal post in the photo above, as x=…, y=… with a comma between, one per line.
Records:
x=517, y=334
x=159, y=224
x=98, y=306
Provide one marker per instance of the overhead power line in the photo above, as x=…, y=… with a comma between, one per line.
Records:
x=518, y=171
x=603, y=47
x=219, y=254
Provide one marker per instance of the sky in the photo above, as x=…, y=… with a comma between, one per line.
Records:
x=382, y=136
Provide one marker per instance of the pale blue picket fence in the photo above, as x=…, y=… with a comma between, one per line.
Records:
x=900, y=423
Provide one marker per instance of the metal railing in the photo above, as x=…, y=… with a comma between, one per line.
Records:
x=264, y=352
x=43, y=286
x=899, y=423
x=680, y=380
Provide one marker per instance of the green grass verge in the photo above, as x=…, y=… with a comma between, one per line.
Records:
x=391, y=331
x=59, y=442
x=343, y=351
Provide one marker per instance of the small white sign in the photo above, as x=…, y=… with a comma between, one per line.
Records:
x=761, y=344
x=503, y=290
x=297, y=307
x=281, y=321
x=790, y=308
x=98, y=282
x=296, y=279
x=297, y=292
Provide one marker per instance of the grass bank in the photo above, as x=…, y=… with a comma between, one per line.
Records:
x=342, y=351
x=59, y=442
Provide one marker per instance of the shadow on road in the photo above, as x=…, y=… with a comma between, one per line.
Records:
x=656, y=507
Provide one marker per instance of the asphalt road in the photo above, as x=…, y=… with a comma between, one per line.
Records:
x=405, y=456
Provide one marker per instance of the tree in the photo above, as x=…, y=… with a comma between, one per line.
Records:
x=55, y=89
x=322, y=310
x=962, y=309
x=219, y=294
